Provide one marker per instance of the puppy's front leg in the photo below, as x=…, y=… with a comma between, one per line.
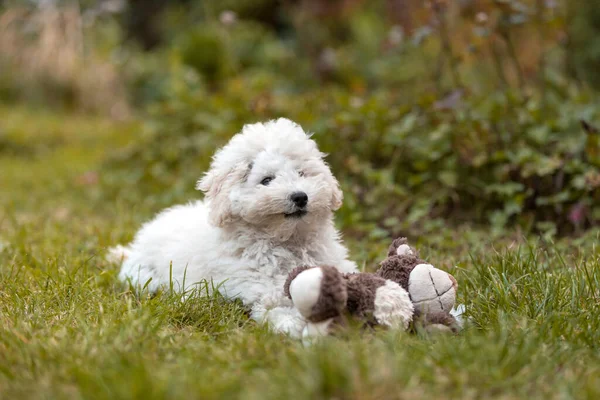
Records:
x=279, y=314
x=286, y=320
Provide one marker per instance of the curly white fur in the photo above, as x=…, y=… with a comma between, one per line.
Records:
x=244, y=235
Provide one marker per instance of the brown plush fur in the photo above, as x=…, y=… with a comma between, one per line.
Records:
x=333, y=297
x=361, y=294
x=398, y=269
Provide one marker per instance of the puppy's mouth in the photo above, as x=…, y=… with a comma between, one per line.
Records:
x=296, y=214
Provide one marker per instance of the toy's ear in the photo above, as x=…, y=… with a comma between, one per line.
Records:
x=397, y=269
x=216, y=185
x=400, y=247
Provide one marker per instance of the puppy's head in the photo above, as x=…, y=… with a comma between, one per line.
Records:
x=271, y=176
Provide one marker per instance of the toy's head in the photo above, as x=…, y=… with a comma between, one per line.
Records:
x=431, y=289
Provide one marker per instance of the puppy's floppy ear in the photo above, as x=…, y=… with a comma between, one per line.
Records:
x=337, y=195
x=205, y=183
x=336, y=192
x=216, y=185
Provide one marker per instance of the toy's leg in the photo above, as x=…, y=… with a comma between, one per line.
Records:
x=320, y=295
x=392, y=306
x=305, y=291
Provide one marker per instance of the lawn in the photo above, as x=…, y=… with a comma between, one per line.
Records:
x=69, y=329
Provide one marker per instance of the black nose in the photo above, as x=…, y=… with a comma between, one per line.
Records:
x=300, y=199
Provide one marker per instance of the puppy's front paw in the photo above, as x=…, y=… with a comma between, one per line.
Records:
x=275, y=299
x=287, y=320
x=315, y=330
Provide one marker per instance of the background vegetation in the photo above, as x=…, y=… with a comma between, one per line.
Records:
x=469, y=126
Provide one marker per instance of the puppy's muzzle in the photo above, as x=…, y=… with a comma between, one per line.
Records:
x=300, y=199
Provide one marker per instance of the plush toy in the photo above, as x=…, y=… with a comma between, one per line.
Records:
x=404, y=289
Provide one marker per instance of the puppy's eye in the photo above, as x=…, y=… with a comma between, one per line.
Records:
x=266, y=181
x=300, y=174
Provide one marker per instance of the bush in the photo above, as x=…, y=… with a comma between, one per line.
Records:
x=403, y=162
x=471, y=118
x=584, y=50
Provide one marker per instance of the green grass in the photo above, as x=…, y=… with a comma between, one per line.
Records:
x=69, y=330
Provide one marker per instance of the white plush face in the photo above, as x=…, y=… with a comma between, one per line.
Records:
x=272, y=177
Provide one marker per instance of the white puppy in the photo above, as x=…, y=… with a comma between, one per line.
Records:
x=268, y=208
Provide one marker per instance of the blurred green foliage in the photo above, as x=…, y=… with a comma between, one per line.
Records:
x=403, y=162
x=420, y=129
x=584, y=28
x=433, y=113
